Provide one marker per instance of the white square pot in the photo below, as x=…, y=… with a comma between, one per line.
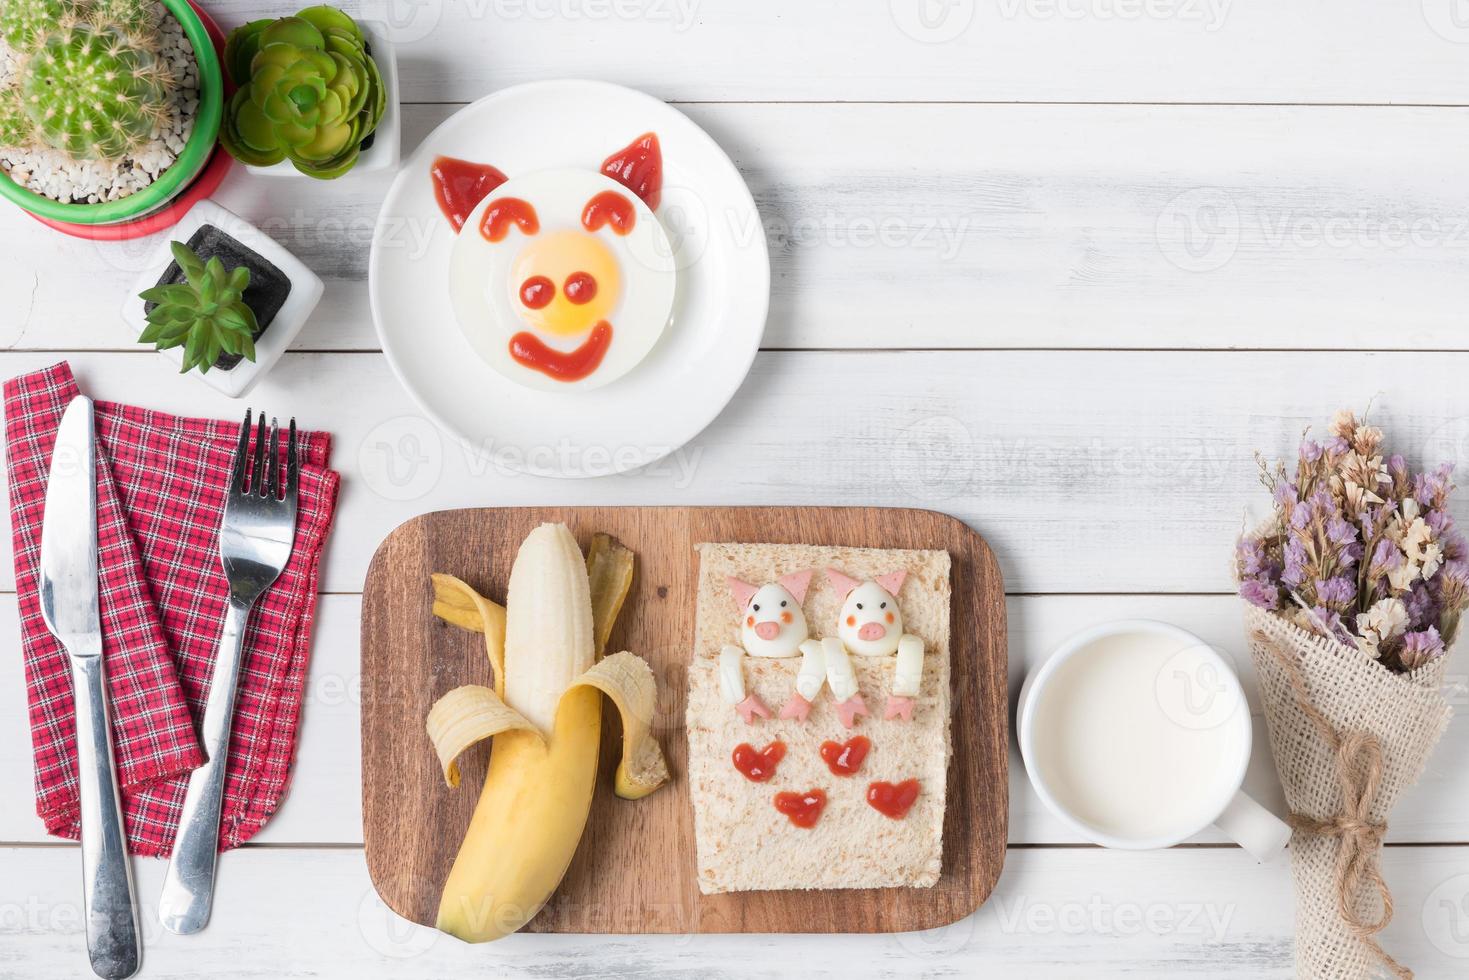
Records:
x=388, y=137
x=306, y=290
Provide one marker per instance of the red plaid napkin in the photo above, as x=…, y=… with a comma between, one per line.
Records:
x=160, y=496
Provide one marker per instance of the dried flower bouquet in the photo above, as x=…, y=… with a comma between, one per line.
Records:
x=1354, y=591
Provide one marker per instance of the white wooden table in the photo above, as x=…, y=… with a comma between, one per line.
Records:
x=1055, y=266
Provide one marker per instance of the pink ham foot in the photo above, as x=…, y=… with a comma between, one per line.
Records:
x=849, y=709
x=898, y=707
x=750, y=707
x=797, y=707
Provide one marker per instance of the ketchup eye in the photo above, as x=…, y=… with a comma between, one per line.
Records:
x=537, y=292
x=580, y=287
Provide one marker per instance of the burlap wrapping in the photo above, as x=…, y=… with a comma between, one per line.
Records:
x=1406, y=712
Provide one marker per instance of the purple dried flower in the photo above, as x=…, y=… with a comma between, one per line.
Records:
x=1295, y=563
x=1432, y=489
x=1252, y=560
x=1310, y=451
x=1339, y=532
x=1452, y=586
x=1285, y=494
x=1421, y=605
x=1420, y=648
x=1337, y=446
x=1336, y=593
x=1259, y=593
x=1385, y=557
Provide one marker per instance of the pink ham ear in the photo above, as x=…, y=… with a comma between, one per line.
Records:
x=796, y=583
x=892, y=581
x=842, y=583
x=743, y=591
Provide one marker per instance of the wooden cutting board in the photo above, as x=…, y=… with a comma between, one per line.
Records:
x=634, y=871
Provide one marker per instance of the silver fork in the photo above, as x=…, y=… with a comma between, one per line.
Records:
x=255, y=539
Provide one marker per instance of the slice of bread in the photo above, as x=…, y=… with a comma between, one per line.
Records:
x=743, y=842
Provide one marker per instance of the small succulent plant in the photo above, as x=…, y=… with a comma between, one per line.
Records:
x=309, y=92
x=90, y=82
x=205, y=315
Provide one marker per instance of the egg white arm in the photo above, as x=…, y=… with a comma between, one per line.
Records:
x=813, y=670
x=839, y=672
x=732, y=674
x=908, y=671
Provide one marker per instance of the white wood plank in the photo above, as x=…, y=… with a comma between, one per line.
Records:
x=323, y=805
x=1203, y=913
x=903, y=50
x=1122, y=472
x=955, y=226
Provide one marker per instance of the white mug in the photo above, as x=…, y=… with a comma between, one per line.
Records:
x=1137, y=735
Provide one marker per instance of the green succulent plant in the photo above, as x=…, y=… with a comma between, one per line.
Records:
x=309, y=92
x=205, y=314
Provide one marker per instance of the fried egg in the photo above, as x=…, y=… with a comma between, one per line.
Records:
x=562, y=279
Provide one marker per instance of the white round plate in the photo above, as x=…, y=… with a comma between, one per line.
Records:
x=723, y=286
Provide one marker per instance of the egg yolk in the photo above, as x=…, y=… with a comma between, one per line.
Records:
x=565, y=282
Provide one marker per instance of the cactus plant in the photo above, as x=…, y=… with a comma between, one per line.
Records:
x=206, y=314
x=23, y=23
x=309, y=92
x=15, y=125
x=95, y=91
x=90, y=82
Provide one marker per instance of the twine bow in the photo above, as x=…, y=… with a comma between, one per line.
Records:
x=1359, y=837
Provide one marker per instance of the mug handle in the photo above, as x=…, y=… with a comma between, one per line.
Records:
x=1256, y=829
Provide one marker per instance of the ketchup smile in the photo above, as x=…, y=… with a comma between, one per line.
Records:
x=572, y=365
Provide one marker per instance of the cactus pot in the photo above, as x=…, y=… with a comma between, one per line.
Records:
x=180, y=173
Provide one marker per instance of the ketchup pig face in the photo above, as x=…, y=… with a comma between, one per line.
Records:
x=870, y=623
x=772, y=623
x=561, y=278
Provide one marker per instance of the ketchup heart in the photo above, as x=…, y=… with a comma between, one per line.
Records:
x=804, y=809
x=892, y=799
x=758, y=765
x=845, y=758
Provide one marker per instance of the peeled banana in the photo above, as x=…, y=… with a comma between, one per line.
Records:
x=544, y=717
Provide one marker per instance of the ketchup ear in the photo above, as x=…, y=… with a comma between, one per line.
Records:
x=743, y=591
x=639, y=167
x=842, y=582
x=892, y=581
x=796, y=583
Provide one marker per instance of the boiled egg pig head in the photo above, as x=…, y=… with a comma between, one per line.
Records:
x=562, y=278
x=871, y=624
x=772, y=623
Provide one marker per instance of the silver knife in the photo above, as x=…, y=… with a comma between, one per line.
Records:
x=69, y=605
